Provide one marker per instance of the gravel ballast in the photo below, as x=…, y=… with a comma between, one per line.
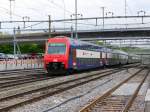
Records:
x=72, y=100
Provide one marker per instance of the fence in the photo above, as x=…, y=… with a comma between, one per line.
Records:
x=13, y=64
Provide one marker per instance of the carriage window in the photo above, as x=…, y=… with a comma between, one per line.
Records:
x=56, y=48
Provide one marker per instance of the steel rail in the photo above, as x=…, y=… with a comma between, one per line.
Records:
x=131, y=100
x=10, y=72
x=23, y=81
x=106, y=94
x=20, y=75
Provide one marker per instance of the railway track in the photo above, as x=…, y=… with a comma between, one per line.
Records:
x=27, y=77
x=113, y=103
x=20, y=75
x=9, y=101
x=14, y=73
x=24, y=75
x=23, y=79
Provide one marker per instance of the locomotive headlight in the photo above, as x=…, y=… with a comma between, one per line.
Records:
x=55, y=60
x=74, y=64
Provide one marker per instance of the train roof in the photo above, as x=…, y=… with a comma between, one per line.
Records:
x=76, y=42
x=120, y=52
x=134, y=55
x=83, y=44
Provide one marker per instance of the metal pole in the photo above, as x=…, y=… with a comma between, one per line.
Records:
x=10, y=9
x=14, y=42
x=142, y=20
x=125, y=10
x=64, y=13
x=71, y=32
x=96, y=21
x=120, y=44
x=76, y=20
x=24, y=24
x=18, y=48
x=125, y=13
x=103, y=16
x=49, y=25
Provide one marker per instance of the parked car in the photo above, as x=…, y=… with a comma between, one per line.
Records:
x=11, y=56
x=3, y=56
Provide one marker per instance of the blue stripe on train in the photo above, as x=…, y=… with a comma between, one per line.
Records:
x=85, y=66
x=80, y=66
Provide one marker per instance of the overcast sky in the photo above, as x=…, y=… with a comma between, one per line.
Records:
x=60, y=9
x=39, y=9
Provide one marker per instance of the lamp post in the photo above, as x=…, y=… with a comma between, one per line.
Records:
x=143, y=14
x=141, y=11
x=25, y=18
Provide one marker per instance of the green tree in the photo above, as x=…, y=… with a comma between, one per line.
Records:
x=24, y=48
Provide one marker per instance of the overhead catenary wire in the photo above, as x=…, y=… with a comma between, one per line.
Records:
x=33, y=25
x=7, y=12
x=60, y=6
x=131, y=11
x=27, y=7
x=37, y=12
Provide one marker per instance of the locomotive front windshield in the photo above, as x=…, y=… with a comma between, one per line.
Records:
x=56, y=48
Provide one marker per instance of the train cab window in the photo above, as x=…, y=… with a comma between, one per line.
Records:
x=56, y=48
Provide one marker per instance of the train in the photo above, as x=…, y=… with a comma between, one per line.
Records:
x=64, y=54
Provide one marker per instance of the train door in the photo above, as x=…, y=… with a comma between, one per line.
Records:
x=104, y=58
x=72, y=58
x=109, y=58
x=101, y=63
